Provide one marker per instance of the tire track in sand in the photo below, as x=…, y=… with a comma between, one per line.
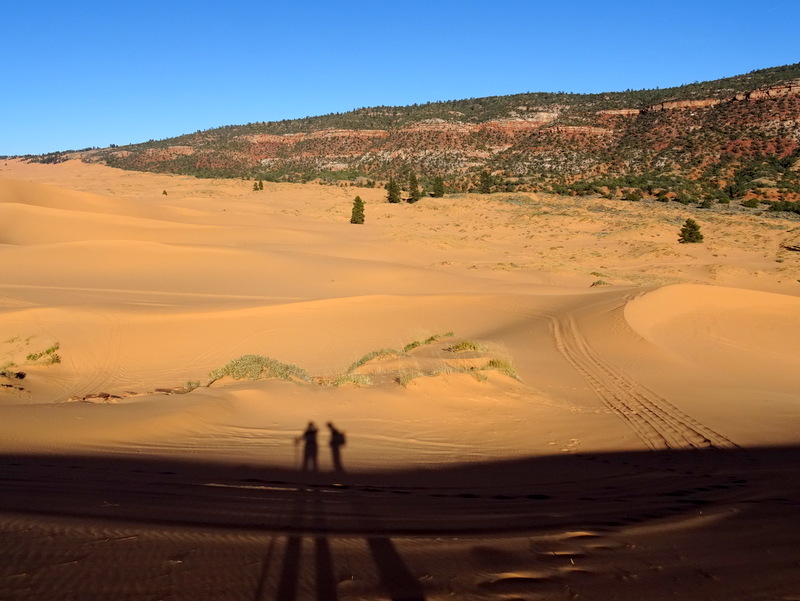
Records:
x=657, y=422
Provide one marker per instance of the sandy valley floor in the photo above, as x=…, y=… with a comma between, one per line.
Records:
x=543, y=398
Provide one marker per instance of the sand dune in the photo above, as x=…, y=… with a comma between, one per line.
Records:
x=543, y=397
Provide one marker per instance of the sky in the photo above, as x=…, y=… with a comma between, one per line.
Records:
x=94, y=73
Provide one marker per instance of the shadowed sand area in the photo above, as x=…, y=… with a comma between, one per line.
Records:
x=513, y=432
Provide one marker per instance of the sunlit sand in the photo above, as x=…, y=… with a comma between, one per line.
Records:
x=568, y=403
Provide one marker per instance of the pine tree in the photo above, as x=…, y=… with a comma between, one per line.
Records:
x=393, y=191
x=260, y=185
x=358, y=211
x=485, y=186
x=690, y=232
x=438, y=187
x=413, y=188
x=255, y=186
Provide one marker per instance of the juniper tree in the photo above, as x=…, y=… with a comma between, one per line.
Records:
x=438, y=187
x=690, y=232
x=413, y=188
x=357, y=215
x=485, y=186
x=393, y=191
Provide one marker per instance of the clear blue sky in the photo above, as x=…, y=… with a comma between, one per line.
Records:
x=93, y=73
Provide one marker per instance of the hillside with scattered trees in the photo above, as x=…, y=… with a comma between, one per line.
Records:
x=733, y=139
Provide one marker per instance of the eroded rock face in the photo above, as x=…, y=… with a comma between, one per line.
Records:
x=791, y=89
x=684, y=104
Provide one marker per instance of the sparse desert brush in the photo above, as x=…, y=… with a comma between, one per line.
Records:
x=412, y=345
x=255, y=367
x=429, y=340
x=480, y=376
x=465, y=345
x=599, y=283
x=504, y=366
x=379, y=354
x=407, y=377
x=189, y=386
x=48, y=356
x=386, y=353
x=357, y=379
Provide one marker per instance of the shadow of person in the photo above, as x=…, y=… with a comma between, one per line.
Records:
x=336, y=443
x=310, y=447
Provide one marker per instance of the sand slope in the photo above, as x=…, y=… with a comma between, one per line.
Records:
x=580, y=439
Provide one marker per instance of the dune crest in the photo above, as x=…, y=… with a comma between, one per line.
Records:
x=719, y=324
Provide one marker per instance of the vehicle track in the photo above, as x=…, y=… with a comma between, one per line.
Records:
x=657, y=422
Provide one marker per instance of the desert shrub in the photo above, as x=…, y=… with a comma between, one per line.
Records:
x=751, y=203
x=466, y=345
x=599, y=283
x=378, y=354
x=504, y=366
x=406, y=377
x=789, y=207
x=357, y=379
x=255, y=367
x=480, y=376
x=8, y=371
x=189, y=386
x=49, y=356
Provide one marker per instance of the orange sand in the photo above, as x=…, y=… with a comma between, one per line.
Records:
x=645, y=449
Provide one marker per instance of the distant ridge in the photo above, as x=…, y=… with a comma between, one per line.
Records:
x=736, y=137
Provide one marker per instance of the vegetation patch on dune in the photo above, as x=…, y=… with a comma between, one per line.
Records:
x=465, y=345
x=431, y=364
x=504, y=366
x=48, y=356
x=258, y=367
x=341, y=380
x=383, y=353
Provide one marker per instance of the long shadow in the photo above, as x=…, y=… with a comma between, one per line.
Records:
x=588, y=492
x=287, y=584
x=592, y=490
x=395, y=576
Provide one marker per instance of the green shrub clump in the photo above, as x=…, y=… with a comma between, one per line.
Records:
x=49, y=356
x=466, y=345
x=255, y=367
x=690, y=232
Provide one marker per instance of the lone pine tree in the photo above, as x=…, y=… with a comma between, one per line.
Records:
x=393, y=191
x=413, y=188
x=438, y=187
x=690, y=232
x=357, y=215
x=486, y=181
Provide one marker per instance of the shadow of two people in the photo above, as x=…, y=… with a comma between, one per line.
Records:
x=311, y=447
